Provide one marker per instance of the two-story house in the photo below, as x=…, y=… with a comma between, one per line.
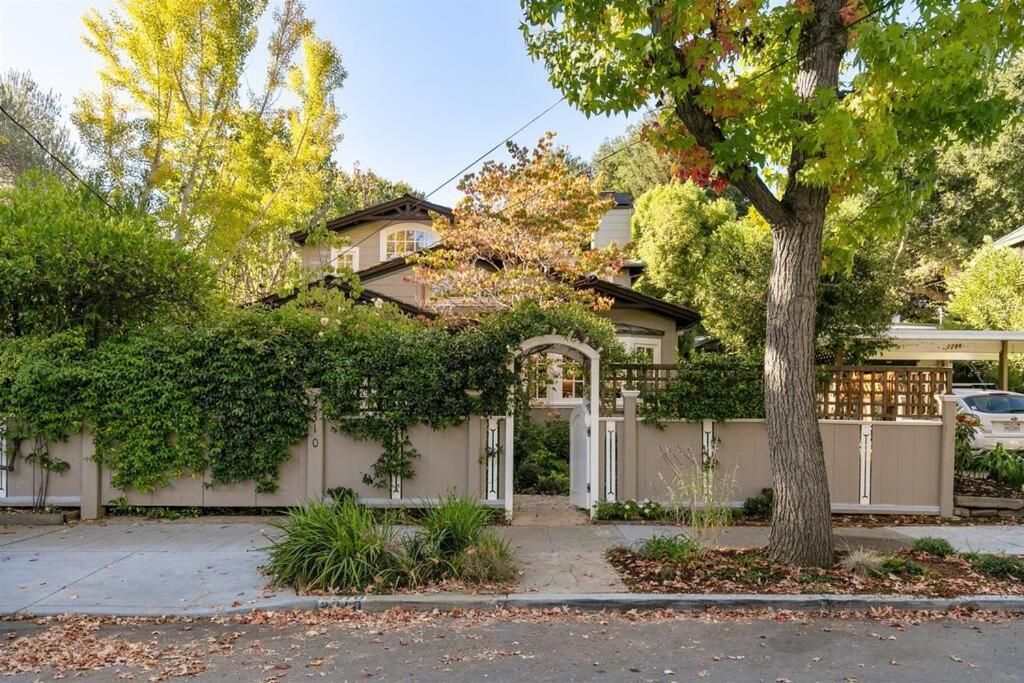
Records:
x=380, y=237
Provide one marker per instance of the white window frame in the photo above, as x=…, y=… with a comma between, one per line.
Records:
x=337, y=253
x=552, y=394
x=417, y=227
x=631, y=343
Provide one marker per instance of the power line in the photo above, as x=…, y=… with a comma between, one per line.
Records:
x=465, y=168
x=57, y=159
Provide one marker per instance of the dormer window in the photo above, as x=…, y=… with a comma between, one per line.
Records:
x=403, y=240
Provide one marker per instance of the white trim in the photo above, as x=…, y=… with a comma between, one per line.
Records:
x=4, y=447
x=396, y=486
x=491, y=460
x=59, y=501
x=418, y=502
x=865, y=464
x=384, y=234
x=611, y=462
x=631, y=342
x=509, y=478
x=337, y=252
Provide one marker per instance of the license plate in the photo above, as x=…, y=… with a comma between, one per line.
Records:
x=1011, y=426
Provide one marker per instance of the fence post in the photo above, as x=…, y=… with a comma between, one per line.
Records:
x=473, y=461
x=947, y=406
x=89, y=502
x=629, y=462
x=315, y=448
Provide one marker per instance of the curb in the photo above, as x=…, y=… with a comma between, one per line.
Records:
x=584, y=602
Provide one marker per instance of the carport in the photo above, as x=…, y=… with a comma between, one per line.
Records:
x=926, y=345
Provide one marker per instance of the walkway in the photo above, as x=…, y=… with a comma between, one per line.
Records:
x=160, y=567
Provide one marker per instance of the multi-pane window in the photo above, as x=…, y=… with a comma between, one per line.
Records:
x=572, y=379
x=405, y=241
x=553, y=379
x=345, y=257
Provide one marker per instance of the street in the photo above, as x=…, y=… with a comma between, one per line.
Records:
x=521, y=645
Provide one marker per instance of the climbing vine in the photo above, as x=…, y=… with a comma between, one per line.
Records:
x=227, y=396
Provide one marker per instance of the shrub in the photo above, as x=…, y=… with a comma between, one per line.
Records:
x=342, y=547
x=760, y=505
x=450, y=529
x=863, y=562
x=631, y=510
x=544, y=473
x=939, y=547
x=894, y=564
x=1002, y=465
x=998, y=566
x=710, y=386
x=679, y=548
x=489, y=561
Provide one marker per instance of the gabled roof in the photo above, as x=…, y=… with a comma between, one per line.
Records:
x=625, y=297
x=622, y=199
x=404, y=208
x=1015, y=238
x=366, y=296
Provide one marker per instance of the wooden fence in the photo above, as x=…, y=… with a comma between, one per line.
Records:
x=854, y=392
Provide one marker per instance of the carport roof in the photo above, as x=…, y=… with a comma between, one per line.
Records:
x=918, y=342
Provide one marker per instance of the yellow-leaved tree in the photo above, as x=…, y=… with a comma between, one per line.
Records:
x=226, y=170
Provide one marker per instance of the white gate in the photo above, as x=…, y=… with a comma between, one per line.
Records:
x=579, y=456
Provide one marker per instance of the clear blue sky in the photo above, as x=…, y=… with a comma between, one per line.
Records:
x=431, y=85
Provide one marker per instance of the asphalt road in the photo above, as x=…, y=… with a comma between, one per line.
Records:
x=532, y=646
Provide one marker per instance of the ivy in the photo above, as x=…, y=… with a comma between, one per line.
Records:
x=227, y=396
x=716, y=387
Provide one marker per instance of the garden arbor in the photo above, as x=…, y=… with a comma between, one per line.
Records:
x=583, y=444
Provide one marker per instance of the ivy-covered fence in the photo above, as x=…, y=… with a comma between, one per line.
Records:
x=226, y=399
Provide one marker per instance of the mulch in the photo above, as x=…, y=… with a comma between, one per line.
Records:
x=749, y=571
x=985, y=488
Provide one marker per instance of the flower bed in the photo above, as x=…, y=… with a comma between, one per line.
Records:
x=648, y=568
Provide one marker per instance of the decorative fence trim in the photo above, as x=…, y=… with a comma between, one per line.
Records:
x=611, y=461
x=491, y=460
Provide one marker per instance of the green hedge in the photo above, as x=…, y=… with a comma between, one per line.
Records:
x=710, y=386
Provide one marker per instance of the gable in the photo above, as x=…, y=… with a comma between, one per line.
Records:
x=401, y=209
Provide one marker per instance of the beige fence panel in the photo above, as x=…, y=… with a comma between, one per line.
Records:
x=905, y=465
x=742, y=452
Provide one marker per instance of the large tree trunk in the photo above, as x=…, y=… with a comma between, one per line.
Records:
x=801, y=531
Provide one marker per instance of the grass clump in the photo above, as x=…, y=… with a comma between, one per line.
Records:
x=679, y=549
x=998, y=566
x=863, y=562
x=939, y=547
x=345, y=547
x=340, y=545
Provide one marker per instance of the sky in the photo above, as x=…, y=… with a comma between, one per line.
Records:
x=431, y=85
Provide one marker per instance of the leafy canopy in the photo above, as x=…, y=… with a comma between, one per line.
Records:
x=988, y=294
x=227, y=174
x=522, y=232
x=67, y=261
x=40, y=112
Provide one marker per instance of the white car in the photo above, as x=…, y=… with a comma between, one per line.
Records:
x=999, y=417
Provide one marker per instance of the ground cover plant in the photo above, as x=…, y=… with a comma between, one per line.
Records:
x=680, y=564
x=542, y=456
x=340, y=546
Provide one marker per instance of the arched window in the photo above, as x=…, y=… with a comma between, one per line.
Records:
x=404, y=240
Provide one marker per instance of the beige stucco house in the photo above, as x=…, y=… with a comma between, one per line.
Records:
x=380, y=237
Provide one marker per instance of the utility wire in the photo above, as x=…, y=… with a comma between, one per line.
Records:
x=57, y=159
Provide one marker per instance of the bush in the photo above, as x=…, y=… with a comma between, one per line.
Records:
x=679, y=549
x=998, y=566
x=631, y=510
x=543, y=466
x=710, y=386
x=342, y=547
x=863, y=562
x=489, y=561
x=1002, y=465
x=939, y=547
x=448, y=531
x=760, y=505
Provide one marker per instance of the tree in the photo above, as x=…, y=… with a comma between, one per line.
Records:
x=227, y=176
x=639, y=167
x=522, y=232
x=38, y=111
x=67, y=261
x=671, y=227
x=360, y=189
x=979, y=191
x=988, y=294
x=797, y=104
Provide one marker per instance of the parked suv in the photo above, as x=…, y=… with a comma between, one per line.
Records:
x=997, y=417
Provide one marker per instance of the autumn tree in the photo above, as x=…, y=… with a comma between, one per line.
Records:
x=226, y=171
x=988, y=294
x=522, y=232
x=40, y=111
x=797, y=104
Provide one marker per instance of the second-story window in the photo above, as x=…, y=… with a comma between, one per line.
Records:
x=403, y=241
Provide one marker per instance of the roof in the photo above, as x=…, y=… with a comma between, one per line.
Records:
x=366, y=296
x=404, y=208
x=625, y=297
x=1015, y=238
x=916, y=342
x=622, y=199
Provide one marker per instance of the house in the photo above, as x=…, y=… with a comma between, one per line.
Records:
x=380, y=237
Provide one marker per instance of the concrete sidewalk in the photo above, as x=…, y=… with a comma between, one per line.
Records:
x=188, y=566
